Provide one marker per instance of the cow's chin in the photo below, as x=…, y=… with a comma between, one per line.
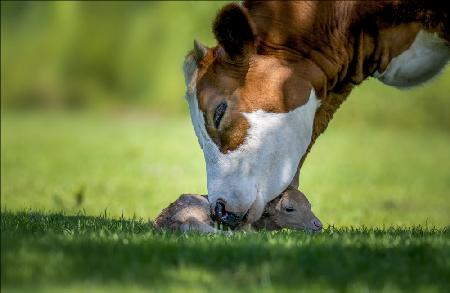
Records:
x=256, y=210
x=247, y=203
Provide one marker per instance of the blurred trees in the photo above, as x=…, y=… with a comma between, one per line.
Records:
x=80, y=54
x=91, y=54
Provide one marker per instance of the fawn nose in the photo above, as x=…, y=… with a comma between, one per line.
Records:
x=316, y=224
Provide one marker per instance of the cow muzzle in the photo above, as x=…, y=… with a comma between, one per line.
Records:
x=229, y=219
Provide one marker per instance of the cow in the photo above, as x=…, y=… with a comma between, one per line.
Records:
x=260, y=98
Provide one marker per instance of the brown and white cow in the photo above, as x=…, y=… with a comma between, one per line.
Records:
x=259, y=99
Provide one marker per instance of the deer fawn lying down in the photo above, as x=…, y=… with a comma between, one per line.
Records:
x=191, y=212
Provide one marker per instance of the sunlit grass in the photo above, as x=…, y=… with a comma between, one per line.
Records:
x=110, y=174
x=79, y=191
x=52, y=252
x=138, y=164
x=107, y=175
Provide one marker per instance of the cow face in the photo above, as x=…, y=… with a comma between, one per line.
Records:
x=252, y=116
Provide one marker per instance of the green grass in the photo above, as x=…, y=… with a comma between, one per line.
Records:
x=138, y=164
x=82, y=253
x=380, y=185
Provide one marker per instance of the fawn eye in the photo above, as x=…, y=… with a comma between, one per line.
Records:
x=218, y=113
x=290, y=209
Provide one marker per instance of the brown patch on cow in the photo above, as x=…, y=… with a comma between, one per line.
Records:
x=242, y=86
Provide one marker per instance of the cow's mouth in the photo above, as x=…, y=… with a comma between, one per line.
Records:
x=228, y=219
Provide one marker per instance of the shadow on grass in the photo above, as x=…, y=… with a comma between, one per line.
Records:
x=39, y=249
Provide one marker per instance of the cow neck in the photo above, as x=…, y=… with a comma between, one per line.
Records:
x=335, y=47
x=330, y=79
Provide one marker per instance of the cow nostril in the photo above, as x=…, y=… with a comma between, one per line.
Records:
x=225, y=217
x=219, y=209
x=317, y=224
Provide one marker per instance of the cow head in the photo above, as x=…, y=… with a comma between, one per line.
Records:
x=252, y=115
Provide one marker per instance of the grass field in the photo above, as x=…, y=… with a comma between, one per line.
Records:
x=60, y=253
x=79, y=190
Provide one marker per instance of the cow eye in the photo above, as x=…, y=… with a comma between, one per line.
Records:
x=290, y=209
x=218, y=114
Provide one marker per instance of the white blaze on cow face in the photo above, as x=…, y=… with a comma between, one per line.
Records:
x=247, y=178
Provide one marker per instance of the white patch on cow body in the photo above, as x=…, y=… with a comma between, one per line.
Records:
x=425, y=58
x=266, y=162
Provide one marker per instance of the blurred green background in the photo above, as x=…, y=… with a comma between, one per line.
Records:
x=86, y=54
x=93, y=119
x=94, y=124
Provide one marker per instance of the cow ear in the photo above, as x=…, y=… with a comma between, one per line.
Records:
x=200, y=51
x=234, y=31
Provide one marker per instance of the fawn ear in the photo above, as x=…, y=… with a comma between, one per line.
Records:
x=234, y=31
